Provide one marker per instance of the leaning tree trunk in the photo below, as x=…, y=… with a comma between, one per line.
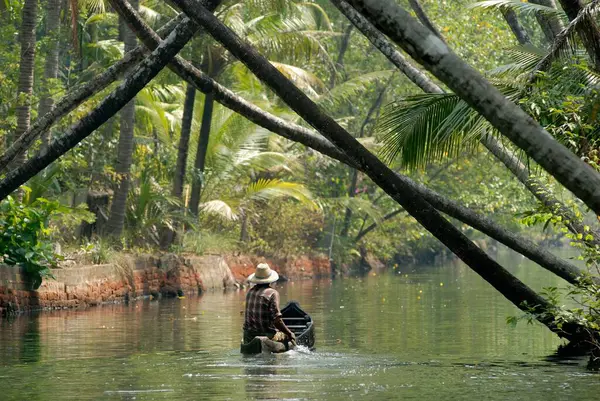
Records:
x=116, y=220
x=511, y=18
x=26, y=70
x=422, y=16
x=182, y=154
x=512, y=288
x=308, y=138
x=483, y=97
x=139, y=77
x=588, y=31
x=200, y=161
x=550, y=24
x=339, y=64
x=51, y=66
x=354, y=172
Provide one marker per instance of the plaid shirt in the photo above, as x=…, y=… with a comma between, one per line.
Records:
x=262, y=308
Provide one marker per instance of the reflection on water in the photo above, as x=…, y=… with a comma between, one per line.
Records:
x=419, y=333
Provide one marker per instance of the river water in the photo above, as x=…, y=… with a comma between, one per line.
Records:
x=414, y=333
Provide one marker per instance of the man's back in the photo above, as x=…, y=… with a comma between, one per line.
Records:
x=262, y=308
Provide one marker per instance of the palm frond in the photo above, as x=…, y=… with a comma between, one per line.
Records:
x=290, y=39
x=525, y=58
x=408, y=127
x=320, y=18
x=108, y=18
x=38, y=186
x=303, y=79
x=518, y=5
x=566, y=42
x=428, y=127
x=92, y=6
x=266, y=190
x=352, y=88
x=110, y=49
x=219, y=208
x=357, y=205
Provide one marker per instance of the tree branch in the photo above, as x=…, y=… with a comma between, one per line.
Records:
x=367, y=230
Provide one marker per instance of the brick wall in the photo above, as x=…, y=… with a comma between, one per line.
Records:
x=142, y=275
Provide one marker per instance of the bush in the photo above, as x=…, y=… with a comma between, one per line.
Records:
x=286, y=227
x=25, y=237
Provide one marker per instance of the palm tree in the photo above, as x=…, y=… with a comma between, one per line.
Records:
x=53, y=10
x=116, y=220
x=241, y=171
x=281, y=30
x=26, y=70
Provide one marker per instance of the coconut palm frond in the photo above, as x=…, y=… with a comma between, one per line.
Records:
x=319, y=16
x=357, y=205
x=407, y=127
x=350, y=89
x=429, y=127
x=149, y=14
x=574, y=79
x=38, y=186
x=525, y=58
x=566, y=42
x=108, y=18
x=303, y=79
x=518, y=5
x=258, y=161
x=291, y=38
x=266, y=190
x=150, y=207
x=219, y=208
x=92, y=6
x=110, y=49
x=161, y=107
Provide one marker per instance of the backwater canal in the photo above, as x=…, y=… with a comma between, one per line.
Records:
x=426, y=333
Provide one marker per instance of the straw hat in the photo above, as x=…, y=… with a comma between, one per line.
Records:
x=263, y=275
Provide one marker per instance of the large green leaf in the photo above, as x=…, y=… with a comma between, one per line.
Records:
x=428, y=127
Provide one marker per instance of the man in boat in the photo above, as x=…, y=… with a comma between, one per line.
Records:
x=262, y=317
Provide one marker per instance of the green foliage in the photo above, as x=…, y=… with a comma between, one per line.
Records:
x=97, y=252
x=201, y=242
x=287, y=228
x=25, y=238
x=150, y=208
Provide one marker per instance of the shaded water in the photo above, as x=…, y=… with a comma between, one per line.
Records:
x=436, y=332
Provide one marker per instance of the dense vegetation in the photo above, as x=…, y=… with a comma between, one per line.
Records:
x=182, y=170
x=259, y=192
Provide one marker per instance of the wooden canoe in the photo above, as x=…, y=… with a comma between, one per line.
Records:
x=297, y=320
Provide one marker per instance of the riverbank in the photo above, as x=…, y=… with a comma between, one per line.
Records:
x=133, y=276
